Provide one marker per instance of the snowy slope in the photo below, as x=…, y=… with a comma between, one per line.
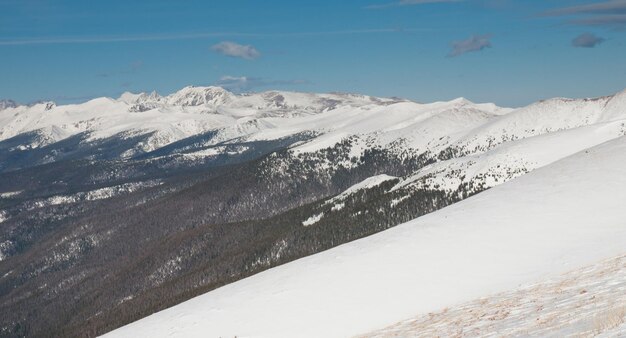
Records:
x=557, y=218
x=459, y=129
x=585, y=302
x=513, y=158
x=366, y=184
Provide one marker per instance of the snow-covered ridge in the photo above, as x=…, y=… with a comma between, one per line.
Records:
x=476, y=144
x=459, y=124
x=368, y=183
x=190, y=111
x=194, y=110
x=313, y=219
x=555, y=219
x=513, y=158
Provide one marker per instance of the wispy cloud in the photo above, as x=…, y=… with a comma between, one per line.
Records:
x=607, y=7
x=610, y=14
x=617, y=21
x=236, y=50
x=409, y=3
x=474, y=43
x=106, y=39
x=196, y=36
x=587, y=40
x=245, y=83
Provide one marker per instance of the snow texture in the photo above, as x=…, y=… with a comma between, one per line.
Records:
x=564, y=216
x=585, y=302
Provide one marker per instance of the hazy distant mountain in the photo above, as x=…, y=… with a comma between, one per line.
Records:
x=7, y=104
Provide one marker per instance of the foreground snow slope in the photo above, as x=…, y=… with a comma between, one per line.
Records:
x=555, y=219
x=585, y=302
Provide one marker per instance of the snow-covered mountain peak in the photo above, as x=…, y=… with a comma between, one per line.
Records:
x=128, y=97
x=196, y=96
x=461, y=101
x=44, y=105
x=466, y=126
x=133, y=98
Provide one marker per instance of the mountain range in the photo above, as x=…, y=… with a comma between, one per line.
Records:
x=113, y=209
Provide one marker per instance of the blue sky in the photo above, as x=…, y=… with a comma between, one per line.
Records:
x=511, y=52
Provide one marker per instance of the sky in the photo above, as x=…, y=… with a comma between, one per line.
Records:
x=511, y=52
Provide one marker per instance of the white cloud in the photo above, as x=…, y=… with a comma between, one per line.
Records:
x=234, y=49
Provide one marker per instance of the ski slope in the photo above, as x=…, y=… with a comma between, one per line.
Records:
x=563, y=216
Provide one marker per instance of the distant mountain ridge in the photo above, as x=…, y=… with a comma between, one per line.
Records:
x=195, y=110
x=113, y=209
x=196, y=124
